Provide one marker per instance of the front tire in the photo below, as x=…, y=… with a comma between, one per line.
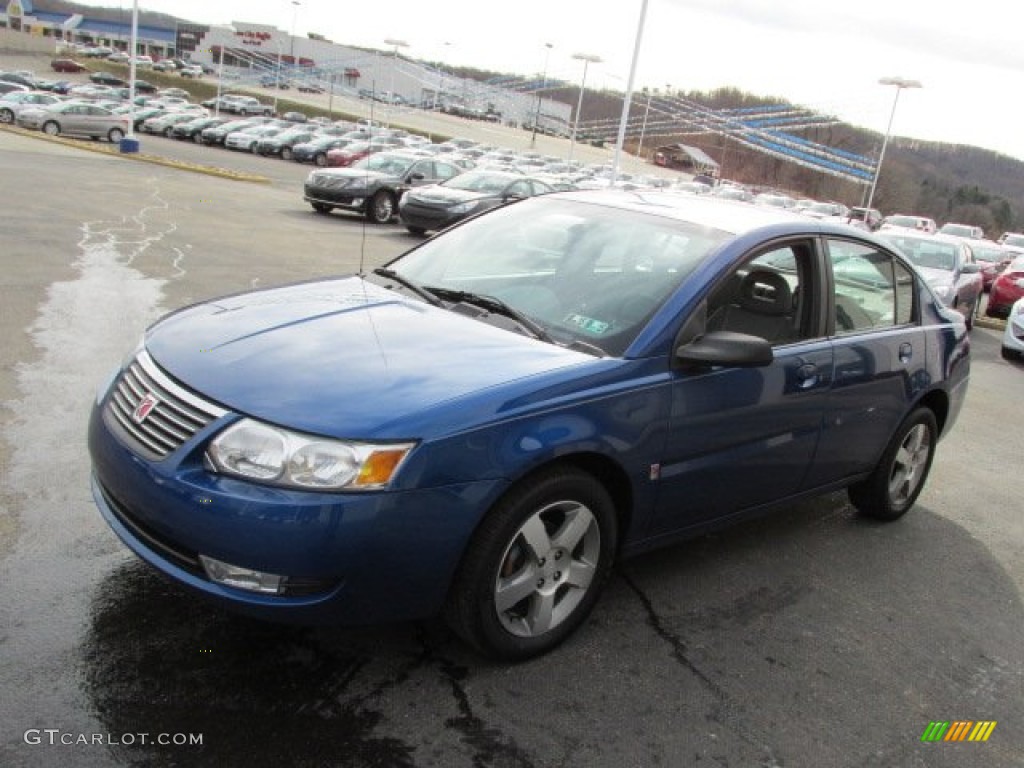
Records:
x=286, y=153
x=51, y=128
x=900, y=476
x=321, y=208
x=320, y=159
x=381, y=208
x=533, y=570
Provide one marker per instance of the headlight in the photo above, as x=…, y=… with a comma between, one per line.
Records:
x=268, y=454
x=464, y=207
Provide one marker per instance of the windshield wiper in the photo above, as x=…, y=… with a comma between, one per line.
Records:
x=429, y=296
x=495, y=305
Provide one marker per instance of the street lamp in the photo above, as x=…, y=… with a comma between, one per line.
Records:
x=277, y=74
x=295, y=13
x=396, y=44
x=587, y=59
x=900, y=83
x=643, y=128
x=543, y=87
x=220, y=70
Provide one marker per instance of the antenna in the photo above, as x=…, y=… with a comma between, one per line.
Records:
x=362, y=243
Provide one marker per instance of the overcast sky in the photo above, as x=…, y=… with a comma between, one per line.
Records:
x=829, y=56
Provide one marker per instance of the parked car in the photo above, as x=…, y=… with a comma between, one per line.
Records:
x=968, y=231
x=192, y=130
x=315, y=151
x=163, y=125
x=865, y=218
x=430, y=209
x=106, y=78
x=991, y=257
x=67, y=65
x=827, y=210
x=1012, y=241
x=14, y=102
x=907, y=221
x=281, y=144
x=28, y=80
x=948, y=266
x=74, y=118
x=1013, y=337
x=216, y=134
x=8, y=87
x=193, y=71
x=248, y=105
x=374, y=185
x=482, y=426
x=344, y=156
x=248, y=139
x=1006, y=289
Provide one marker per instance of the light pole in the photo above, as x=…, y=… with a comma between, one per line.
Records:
x=643, y=128
x=220, y=71
x=900, y=83
x=396, y=44
x=540, y=94
x=295, y=13
x=587, y=59
x=277, y=74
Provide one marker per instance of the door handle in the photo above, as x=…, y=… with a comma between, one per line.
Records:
x=906, y=352
x=807, y=376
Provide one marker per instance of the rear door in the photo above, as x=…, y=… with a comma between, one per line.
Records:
x=880, y=356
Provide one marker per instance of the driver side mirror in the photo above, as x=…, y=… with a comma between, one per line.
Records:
x=726, y=348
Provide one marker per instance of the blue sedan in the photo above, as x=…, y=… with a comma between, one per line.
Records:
x=482, y=427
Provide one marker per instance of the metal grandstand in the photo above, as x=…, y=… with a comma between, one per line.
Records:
x=768, y=129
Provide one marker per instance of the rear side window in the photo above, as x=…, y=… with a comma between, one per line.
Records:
x=871, y=289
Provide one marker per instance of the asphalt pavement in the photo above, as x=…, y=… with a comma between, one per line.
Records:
x=807, y=638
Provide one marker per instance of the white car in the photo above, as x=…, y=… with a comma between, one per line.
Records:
x=11, y=104
x=910, y=221
x=1013, y=337
x=76, y=118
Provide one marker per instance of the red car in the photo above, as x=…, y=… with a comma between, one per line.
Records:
x=993, y=259
x=1006, y=289
x=66, y=65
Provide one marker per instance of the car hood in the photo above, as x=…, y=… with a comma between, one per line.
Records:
x=348, y=358
x=354, y=173
x=444, y=196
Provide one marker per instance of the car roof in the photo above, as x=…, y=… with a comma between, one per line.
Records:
x=705, y=210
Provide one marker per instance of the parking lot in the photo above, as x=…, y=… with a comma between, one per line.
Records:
x=808, y=638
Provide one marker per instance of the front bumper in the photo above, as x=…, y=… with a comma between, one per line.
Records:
x=349, y=558
x=353, y=200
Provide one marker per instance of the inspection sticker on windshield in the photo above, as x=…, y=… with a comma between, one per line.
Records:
x=589, y=324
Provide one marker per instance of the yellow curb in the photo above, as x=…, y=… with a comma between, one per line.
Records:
x=992, y=323
x=114, y=150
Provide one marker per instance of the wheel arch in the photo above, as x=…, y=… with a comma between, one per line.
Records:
x=937, y=401
x=605, y=470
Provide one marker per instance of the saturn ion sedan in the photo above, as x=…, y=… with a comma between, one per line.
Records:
x=483, y=426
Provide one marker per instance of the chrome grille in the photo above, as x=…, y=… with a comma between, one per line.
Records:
x=176, y=416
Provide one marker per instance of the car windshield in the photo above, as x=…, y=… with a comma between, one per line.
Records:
x=957, y=230
x=932, y=254
x=587, y=274
x=392, y=165
x=491, y=183
x=988, y=253
x=1014, y=240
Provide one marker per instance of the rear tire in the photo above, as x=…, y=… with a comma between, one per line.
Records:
x=115, y=135
x=534, y=568
x=894, y=485
x=320, y=159
x=6, y=116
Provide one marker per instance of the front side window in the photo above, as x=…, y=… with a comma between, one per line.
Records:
x=766, y=296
